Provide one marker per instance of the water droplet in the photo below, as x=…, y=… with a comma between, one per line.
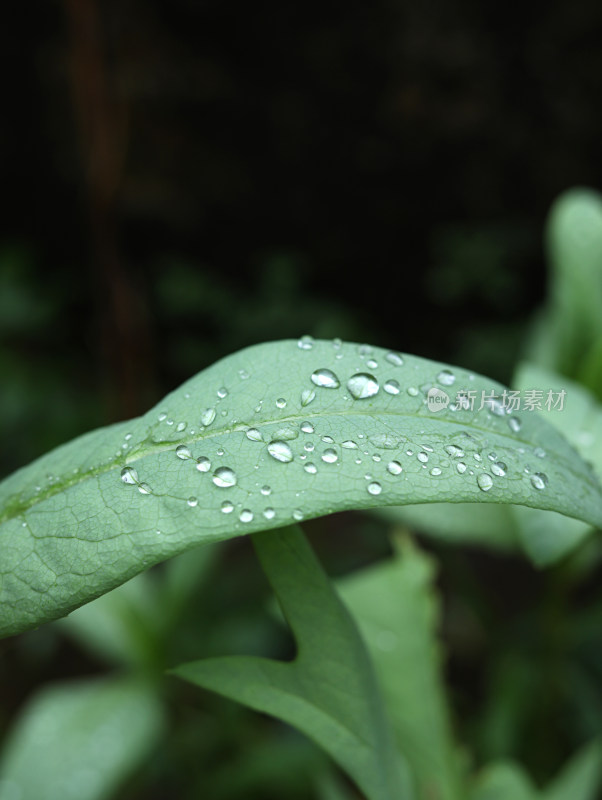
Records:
x=298, y=514
x=364, y=350
x=328, y=439
x=222, y=392
x=392, y=387
x=183, y=452
x=385, y=441
x=540, y=452
x=269, y=513
x=412, y=391
x=127, y=437
x=515, y=424
x=337, y=343
x=307, y=427
x=266, y=490
x=499, y=469
x=169, y=421
x=246, y=515
x=207, y=416
x=311, y=468
x=144, y=488
x=287, y=433
x=281, y=402
x=220, y=451
x=374, y=488
x=423, y=457
x=454, y=451
x=162, y=417
x=224, y=477
x=181, y=427
x=435, y=471
x=129, y=475
x=329, y=455
x=307, y=396
x=305, y=343
x=309, y=447
x=394, y=467
x=325, y=378
x=461, y=467
x=477, y=457
x=227, y=507
x=485, y=481
x=376, y=457
x=192, y=502
x=372, y=364
x=349, y=445
x=496, y=407
x=254, y=435
x=362, y=386
x=280, y=451
x=203, y=464
x=539, y=480
x=394, y=358
x=243, y=374
x=446, y=377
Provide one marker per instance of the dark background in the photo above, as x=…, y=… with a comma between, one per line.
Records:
x=182, y=179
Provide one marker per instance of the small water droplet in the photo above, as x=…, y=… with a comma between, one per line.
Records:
x=181, y=427
x=281, y=402
x=514, y=424
x=394, y=467
x=374, y=488
x=183, y=452
x=376, y=457
x=203, y=464
x=484, y=481
x=246, y=515
x=280, y=451
x=307, y=397
x=129, y=475
x=496, y=407
x=311, y=468
x=243, y=374
x=423, y=457
x=349, y=445
x=207, y=416
x=372, y=364
x=446, y=377
x=362, y=385
x=192, y=502
x=298, y=514
x=169, y=421
x=220, y=451
x=328, y=439
x=305, y=343
x=454, y=451
x=325, y=378
x=540, y=452
x=254, y=435
x=227, y=507
x=394, y=358
x=162, y=417
x=266, y=491
x=435, y=471
x=307, y=427
x=269, y=513
x=144, y=488
x=499, y=469
x=412, y=391
x=392, y=387
x=539, y=480
x=309, y=447
x=127, y=437
x=477, y=457
x=224, y=477
x=329, y=455
x=461, y=467
x=222, y=392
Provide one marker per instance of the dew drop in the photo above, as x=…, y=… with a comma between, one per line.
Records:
x=162, y=417
x=372, y=364
x=227, y=507
x=392, y=387
x=222, y=392
x=423, y=457
x=266, y=491
x=254, y=435
x=224, y=477
x=394, y=467
x=454, y=451
x=540, y=452
x=281, y=402
x=207, y=416
x=298, y=514
x=364, y=350
x=181, y=427
x=203, y=464
x=394, y=358
x=329, y=455
x=325, y=378
x=269, y=513
x=307, y=397
x=280, y=451
x=496, y=407
x=461, y=467
x=328, y=439
x=412, y=391
x=192, y=502
x=309, y=447
x=374, y=488
x=435, y=471
x=183, y=452
x=349, y=444
x=539, y=480
x=485, y=481
x=446, y=377
x=129, y=475
x=515, y=424
x=246, y=515
x=144, y=488
x=305, y=343
x=307, y=427
x=362, y=385
x=243, y=374
x=311, y=468
x=499, y=469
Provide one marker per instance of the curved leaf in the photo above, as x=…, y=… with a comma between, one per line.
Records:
x=272, y=434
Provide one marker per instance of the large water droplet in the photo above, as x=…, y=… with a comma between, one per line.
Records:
x=485, y=481
x=224, y=477
x=203, y=464
x=183, y=452
x=246, y=515
x=129, y=475
x=254, y=435
x=227, y=507
x=362, y=386
x=280, y=451
x=394, y=358
x=207, y=416
x=325, y=378
x=307, y=427
x=539, y=480
x=446, y=377
x=305, y=343
x=307, y=396
x=311, y=468
x=330, y=455
x=394, y=467
x=374, y=488
x=392, y=387
x=499, y=469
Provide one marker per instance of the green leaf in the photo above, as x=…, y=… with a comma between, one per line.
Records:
x=395, y=607
x=329, y=691
x=581, y=778
x=269, y=435
x=79, y=741
x=504, y=781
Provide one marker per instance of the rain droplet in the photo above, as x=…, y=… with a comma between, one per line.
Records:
x=423, y=457
x=227, y=507
x=280, y=451
x=412, y=391
x=224, y=477
x=329, y=455
x=307, y=427
x=246, y=515
x=192, y=502
x=485, y=481
x=305, y=343
x=269, y=513
x=392, y=387
x=394, y=358
x=266, y=490
x=515, y=424
x=461, y=467
x=539, y=480
x=307, y=396
x=222, y=392
x=129, y=475
x=281, y=402
x=499, y=469
x=203, y=464
x=325, y=378
x=435, y=471
x=349, y=445
x=207, y=416
x=394, y=467
x=144, y=488
x=254, y=435
x=446, y=377
x=454, y=451
x=362, y=386
x=181, y=427
x=162, y=417
x=328, y=439
x=311, y=468
x=375, y=488
x=309, y=447
x=298, y=514
x=183, y=452
x=287, y=433
x=372, y=364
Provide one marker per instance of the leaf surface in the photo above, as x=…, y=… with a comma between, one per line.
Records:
x=275, y=433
